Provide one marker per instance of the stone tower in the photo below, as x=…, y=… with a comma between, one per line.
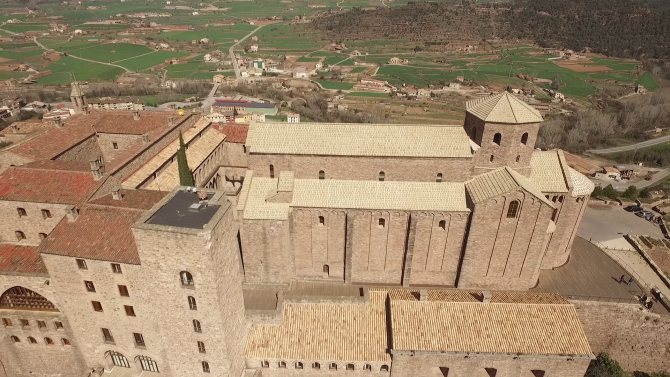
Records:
x=78, y=99
x=505, y=129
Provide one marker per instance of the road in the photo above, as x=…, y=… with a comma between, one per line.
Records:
x=232, y=53
x=43, y=47
x=205, y=104
x=622, y=185
x=642, y=144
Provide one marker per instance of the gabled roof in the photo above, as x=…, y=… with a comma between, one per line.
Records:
x=549, y=171
x=235, y=132
x=344, y=139
x=46, y=186
x=100, y=233
x=499, y=182
x=138, y=199
x=503, y=108
x=123, y=122
x=21, y=259
x=55, y=141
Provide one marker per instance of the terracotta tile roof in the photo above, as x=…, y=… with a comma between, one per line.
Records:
x=138, y=199
x=122, y=122
x=23, y=259
x=503, y=108
x=527, y=298
x=235, y=133
x=490, y=327
x=100, y=233
x=325, y=332
x=55, y=141
x=581, y=165
x=58, y=165
x=343, y=139
x=26, y=127
x=46, y=186
x=499, y=182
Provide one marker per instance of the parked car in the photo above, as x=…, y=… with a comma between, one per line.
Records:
x=633, y=208
x=644, y=214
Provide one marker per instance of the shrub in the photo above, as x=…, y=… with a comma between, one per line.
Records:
x=604, y=366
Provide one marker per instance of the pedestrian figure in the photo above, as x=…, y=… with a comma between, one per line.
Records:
x=644, y=298
x=650, y=304
x=630, y=281
x=621, y=279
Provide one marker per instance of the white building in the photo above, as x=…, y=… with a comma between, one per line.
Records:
x=293, y=118
x=253, y=48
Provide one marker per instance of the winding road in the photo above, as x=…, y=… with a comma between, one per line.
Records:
x=642, y=144
x=87, y=60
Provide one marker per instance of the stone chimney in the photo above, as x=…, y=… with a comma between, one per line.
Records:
x=116, y=194
x=136, y=115
x=145, y=139
x=58, y=122
x=72, y=212
x=486, y=297
x=95, y=169
x=423, y=295
x=170, y=121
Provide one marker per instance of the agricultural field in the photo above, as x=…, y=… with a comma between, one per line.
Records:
x=195, y=70
x=336, y=85
x=281, y=39
x=67, y=68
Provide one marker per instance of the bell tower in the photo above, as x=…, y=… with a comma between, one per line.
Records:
x=505, y=129
x=78, y=99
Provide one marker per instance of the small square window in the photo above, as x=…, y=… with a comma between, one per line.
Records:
x=123, y=291
x=107, y=335
x=116, y=268
x=97, y=306
x=89, y=286
x=81, y=264
x=115, y=145
x=129, y=310
x=41, y=324
x=24, y=323
x=6, y=322
x=22, y=212
x=46, y=214
x=59, y=325
x=139, y=339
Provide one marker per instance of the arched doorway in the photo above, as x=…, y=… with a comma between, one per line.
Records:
x=20, y=298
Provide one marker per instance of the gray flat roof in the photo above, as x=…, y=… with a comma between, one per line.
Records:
x=176, y=212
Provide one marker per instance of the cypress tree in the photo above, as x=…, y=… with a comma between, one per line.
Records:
x=185, y=174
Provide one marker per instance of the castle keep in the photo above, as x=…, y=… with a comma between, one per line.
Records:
x=316, y=249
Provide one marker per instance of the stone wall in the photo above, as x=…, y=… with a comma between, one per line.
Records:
x=568, y=216
x=505, y=253
x=406, y=364
x=85, y=151
x=291, y=368
x=637, y=339
x=106, y=143
x=8, y=159
x=363, y=168
x=32, y=224
x=265, y=251
x=25, y=359
x=319, y=248
x=235, y=155
x=203, y=173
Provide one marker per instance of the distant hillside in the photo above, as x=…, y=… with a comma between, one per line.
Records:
x=622, y=28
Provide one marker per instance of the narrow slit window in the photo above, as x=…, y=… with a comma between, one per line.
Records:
x=513, y=209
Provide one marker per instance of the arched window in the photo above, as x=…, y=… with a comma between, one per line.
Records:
x=518, y=158
x=19, y=298
x=561, y=198
x=384, y=368
x=443, y=224
x=333, y=366
x=326, y=270
x=382, y=176
x=350, y=366
x=322, y=174
x=265, y=364
x=513, y=209
x=32, y=340
x=65, y=342
x=282, y=364
x=382, y=222
x=491, y=371
x=117, y=359
x=439, y=177
x=537, y=373
x=196, y=326
x=524, y=138
x=15, y=339
x=201, y=347
x=191, y=303
x=147, y=363
x=186, y=278
x=554, y=198
x=20, y=236
x=497, y=138
x=49, y=341
x=298, y=365
x=316, y=366
x=491, y=158
x=322, y=220
x=368, y=367
x=205, y=367
x=272, y=171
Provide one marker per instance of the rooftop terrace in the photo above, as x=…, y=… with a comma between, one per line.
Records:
x=185, y=210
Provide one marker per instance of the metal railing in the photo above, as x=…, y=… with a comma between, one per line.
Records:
x=622, y=263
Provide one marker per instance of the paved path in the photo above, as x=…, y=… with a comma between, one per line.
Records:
x=88, y=60
x=635, y=264
x=642, y=144
x=232, y=53
x=623, y=185
x=611, y=223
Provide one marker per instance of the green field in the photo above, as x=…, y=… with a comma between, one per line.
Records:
x=64, y=69
x=358, y=69
x=648, y=82
x=196, y=71
x=143, y=62
x=368, y=94
x=20, y=54
x=336, y=85
x=22, y=27
x=305, y=59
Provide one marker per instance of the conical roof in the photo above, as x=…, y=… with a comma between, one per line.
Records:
x=76, y=90
x=503, y=108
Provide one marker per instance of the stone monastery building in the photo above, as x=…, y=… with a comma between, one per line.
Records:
x=320, y=249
